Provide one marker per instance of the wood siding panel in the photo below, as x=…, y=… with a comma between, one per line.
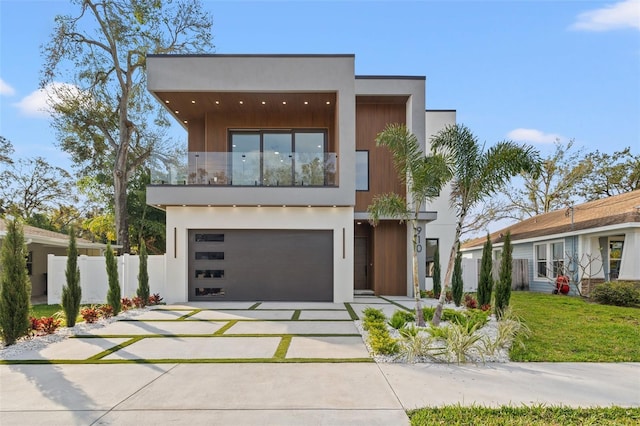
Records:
x=196, y=136
x=218, y=124
x=371, y=119
x=390, y=259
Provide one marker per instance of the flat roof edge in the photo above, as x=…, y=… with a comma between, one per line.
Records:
x=441, y=110
x=252, y=55
x=390, y=77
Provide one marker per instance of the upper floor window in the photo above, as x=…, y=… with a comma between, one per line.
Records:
x=362, y=170
x=281, y=158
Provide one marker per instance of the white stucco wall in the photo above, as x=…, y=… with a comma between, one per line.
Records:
x=181, y=219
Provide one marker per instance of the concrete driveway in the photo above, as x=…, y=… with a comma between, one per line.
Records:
x=230, y=363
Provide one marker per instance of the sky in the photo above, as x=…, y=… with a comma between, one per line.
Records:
x=528, y=71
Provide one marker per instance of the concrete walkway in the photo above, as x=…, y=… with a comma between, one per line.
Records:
x=272, y=363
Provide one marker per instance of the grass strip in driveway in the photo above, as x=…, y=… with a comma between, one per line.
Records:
x=255, y=306
x=188, y=361
x=115, y=348
x=393, y=302
x=184, y=317
x=296, y=315
x=352, y=313
x=283, y=347
x=225, y=327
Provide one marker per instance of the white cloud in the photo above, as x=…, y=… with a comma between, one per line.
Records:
x=36, y=103
x=5, y=89
x=624, y=14
x=532, y=135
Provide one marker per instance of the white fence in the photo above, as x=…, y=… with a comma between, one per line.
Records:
x=93, y=276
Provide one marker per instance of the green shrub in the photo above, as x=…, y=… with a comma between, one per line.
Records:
x=72, y=292
x=381, y=341
x=456, y=281
x=400, y=318
x=503, y=286
x=113, y=294
x=439, y=332
x=437, y=281
x=143, y=276
x=618, y=293
x=475, y=316
x=373, y=313
x=485, y=283
x=15, y=287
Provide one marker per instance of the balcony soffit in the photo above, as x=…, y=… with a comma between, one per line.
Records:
x=185, y=106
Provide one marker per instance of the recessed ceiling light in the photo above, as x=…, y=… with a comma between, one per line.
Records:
x=284, y=205
x=284, y=102
x=217, y=102
x=328, y=102
x=259, y=205
x=319, y=146
x=276, y=152
x=185, y=122
x=166, y=101
x=234, y=205
x=177, y=112
x=193, y=101
x=264, y=102
x=309, y=206
x=241, y=102
x=208, y=205
x=306, y=102
x=184, y=205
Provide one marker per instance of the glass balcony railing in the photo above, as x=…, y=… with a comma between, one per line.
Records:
x=251, y=169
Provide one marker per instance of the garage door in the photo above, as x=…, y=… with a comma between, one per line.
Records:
x=240, y=264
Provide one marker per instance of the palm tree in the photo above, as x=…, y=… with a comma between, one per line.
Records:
x=424, y=177
x=477, y=174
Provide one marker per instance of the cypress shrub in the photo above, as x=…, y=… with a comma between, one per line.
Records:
x=113, y=294
x=143, y=276
x=437, y=279
x=71, y=292
x=456, y=280
x=485, y=284
x=503, y=287
x=15, y=286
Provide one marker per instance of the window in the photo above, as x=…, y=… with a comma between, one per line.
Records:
x=209, y=255
x=209, y=238
x=615, y=258
x=432, y=246
x=549, y=259
x=281, y=158
x=29, y=259
x=362, y=170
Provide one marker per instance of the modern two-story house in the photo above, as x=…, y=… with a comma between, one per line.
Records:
x=282, y=164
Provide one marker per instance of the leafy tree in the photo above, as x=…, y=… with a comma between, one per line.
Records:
x=147, y=223
x=477, y=174
x=437, y=280
x=72, y=292
x=6, y=150
x=456, y=281
x=610, y=174
x=485, y=283
x=553, y=188
x=143, y=275
x=503, y=287
x=15, y=287
x=106, y=120
x=32, y=186
x=113, y=294
x=423, y=176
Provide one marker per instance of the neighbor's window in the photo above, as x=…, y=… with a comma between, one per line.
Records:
x=541, y=260
x=362, y=170
x=432, y=246
x=615, y=258
x=549, y=259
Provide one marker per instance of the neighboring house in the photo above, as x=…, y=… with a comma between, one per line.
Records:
x=594, y=242
x=40, y=243
x=282, y=165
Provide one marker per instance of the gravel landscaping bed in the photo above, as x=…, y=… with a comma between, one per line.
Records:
x=39, y=342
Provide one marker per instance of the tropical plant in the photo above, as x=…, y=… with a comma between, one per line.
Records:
x=113, y=294
x=424, y=177
x=143, y=276
x=463, y=340
x=15, y=287
x=456, y=281
x=485, y=283
x=477, y=174
x=72, y=292
x=415, y=342
x=503, y=287
x=400, y=318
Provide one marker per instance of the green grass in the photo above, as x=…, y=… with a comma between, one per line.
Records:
x=570, y=329
x=524, y=416
x=44, y=310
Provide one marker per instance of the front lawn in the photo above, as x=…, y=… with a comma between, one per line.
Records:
x=565, y=329
x=524, y=416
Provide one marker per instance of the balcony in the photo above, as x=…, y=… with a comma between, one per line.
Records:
x=251, y=169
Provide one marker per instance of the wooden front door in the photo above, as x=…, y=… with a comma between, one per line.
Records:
x=361, y=264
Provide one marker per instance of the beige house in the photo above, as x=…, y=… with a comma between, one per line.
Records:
x=40, y=243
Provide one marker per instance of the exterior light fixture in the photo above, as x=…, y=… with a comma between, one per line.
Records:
x=328, y=102
x=284, y=102
x=306, y=102
x=217, y=102
x=264, y=102
x=177, y=112
x=193, y=101
x=166, y=101
x=185, y=121
x=241, y=102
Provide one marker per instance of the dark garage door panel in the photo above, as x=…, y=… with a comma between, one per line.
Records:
x=285, y=265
